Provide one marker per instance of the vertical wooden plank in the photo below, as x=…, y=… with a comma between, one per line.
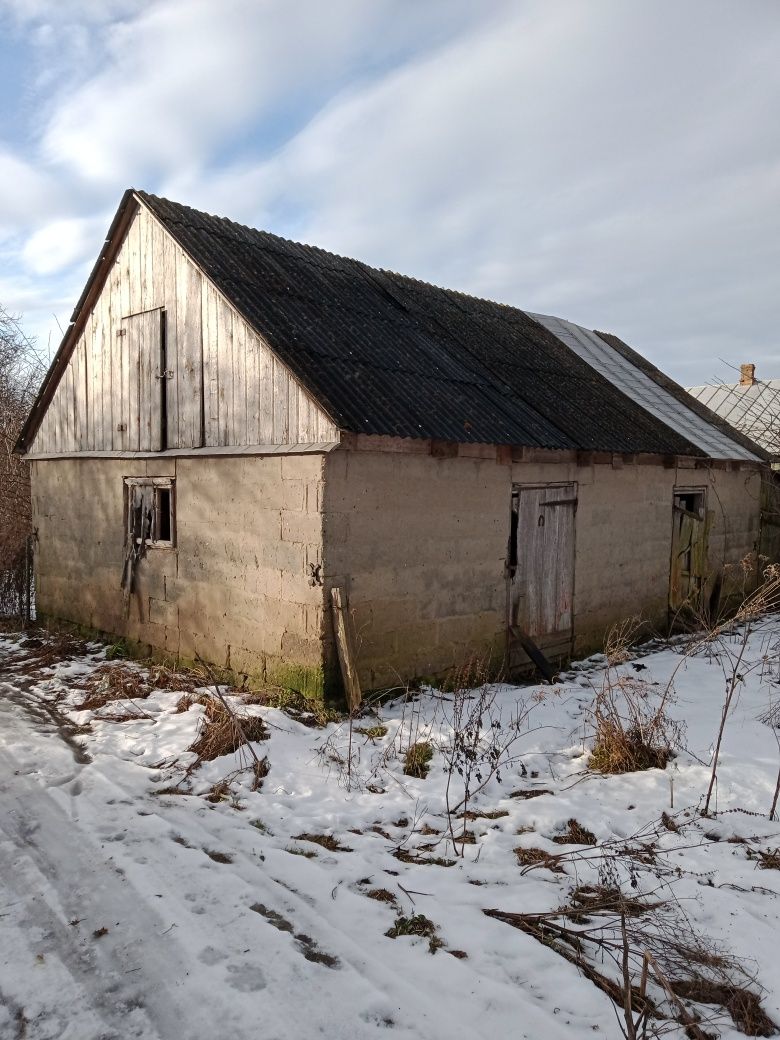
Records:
x=66, y=406
x=80, y=401
x=103, y=341
x=157, y=382
x=210, y=366
x=75, y=371
x=190, y=354
x=151, y=293
x=292, y=410
x=307, y=418
x=281, y=387
x=147, y=339
x=39, y=441
x=239, y=433
x=252, y=347
x=129, y=414
x=94, y=380
x=133, y=356
x=165, y=275
x=265, y=395
x=133, y=249
x=222, y=317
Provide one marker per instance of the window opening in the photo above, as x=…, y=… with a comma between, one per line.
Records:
x=163, y=517
x=511, y=556
x=149, y=523
x=690, y=502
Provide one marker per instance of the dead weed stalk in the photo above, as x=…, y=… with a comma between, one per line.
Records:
x=629, y=716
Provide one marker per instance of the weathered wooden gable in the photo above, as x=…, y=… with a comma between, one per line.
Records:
x=164, y=362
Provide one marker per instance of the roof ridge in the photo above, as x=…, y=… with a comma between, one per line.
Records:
x=329, y=253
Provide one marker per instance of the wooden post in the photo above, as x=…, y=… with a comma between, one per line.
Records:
x=345, y=645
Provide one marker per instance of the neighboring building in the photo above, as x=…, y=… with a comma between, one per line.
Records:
x=235, y=424
x=751, y=406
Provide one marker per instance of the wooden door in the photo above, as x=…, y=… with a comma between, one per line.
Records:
x=541, y=571
x=147, y=381
x=689, y=550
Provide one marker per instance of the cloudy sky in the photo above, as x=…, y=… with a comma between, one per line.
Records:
x=614, y=162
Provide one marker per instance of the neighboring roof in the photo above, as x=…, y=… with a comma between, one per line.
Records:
x=385, y=354
x=672, y=408
x=752, y=408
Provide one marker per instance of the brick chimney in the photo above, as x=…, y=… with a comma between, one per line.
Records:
x=747, y=375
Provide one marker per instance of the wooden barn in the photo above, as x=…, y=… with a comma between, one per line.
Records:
x=235, y=425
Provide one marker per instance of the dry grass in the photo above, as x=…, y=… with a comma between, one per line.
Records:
x=113, y=682
x=614, y=938
x=187, y=680
x=372, y=732
x=632, y=729
x=575, y=835
x=219, y=733
x=617, y=750
x=408, y=856
x=419, y=925
x=531, y=793
x=309, y=713
x=382, y=895
x=417, y=760
x=218, y=857
x=743, y=1005
x=600, y=899
x=327, y=841
x=769, y=859
x=538, y=858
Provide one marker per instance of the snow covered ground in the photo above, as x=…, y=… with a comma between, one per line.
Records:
x=137, y=903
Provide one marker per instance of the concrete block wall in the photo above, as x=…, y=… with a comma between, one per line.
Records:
x=235, y=588
x=420, y=544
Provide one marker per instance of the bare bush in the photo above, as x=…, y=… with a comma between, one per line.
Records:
x=21, y=369
x=631, y=726
x=643, y=952
x=481, y=745
x=728, y=642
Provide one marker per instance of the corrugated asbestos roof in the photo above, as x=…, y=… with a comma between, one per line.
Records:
x=645, y=391
x=753, y=408
x=385, y=354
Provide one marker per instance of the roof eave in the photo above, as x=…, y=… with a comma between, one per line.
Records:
x=94, y=284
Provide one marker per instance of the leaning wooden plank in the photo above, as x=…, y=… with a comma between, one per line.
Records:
x=534, y=653
x=345, y=646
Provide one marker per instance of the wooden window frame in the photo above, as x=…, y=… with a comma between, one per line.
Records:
x=158, y=484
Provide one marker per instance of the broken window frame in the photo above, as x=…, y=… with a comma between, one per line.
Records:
x=162, y=518
x=682, y=501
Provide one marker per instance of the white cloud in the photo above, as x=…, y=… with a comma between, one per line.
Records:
x=26, y=192
x=183, y=79
x=605, y=161
x=615, y=163
x=57, y=246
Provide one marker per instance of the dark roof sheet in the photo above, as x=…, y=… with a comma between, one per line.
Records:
x=386, y=354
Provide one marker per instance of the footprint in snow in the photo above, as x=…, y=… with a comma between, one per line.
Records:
x=246, y=978
x=210, y=955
